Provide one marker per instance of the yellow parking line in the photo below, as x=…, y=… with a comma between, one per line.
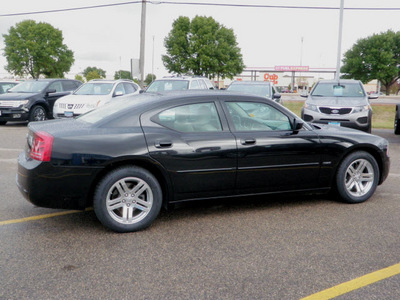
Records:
x=356, y=283
x=62, y=213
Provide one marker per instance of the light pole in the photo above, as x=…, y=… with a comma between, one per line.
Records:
x=337, y=75
x=142, y=43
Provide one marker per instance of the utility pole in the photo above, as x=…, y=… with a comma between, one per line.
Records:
x=142, y=43
x=339, y=52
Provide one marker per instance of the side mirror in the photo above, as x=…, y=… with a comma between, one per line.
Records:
x=373, y=96
x=118, y=93
x=50, y=91
x=277, y=96
x=297, y=125
x=304, y=95
x=141, y=91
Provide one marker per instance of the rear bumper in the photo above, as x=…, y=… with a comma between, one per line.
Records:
x=46, y=185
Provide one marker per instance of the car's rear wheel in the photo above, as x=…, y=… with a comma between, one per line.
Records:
x=357, y=177
x=127, y=199
x=37, y=113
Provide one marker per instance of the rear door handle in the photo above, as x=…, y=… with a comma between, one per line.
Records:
x=249, y=141
x=163, y=144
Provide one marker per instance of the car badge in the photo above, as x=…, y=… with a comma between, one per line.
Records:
x=335, y=111
x=70, y=106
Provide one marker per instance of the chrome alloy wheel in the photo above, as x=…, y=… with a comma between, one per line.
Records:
x=39, y=114
x=359, y=177
x=129, y=200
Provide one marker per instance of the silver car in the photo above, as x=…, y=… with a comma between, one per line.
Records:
x=342, y=103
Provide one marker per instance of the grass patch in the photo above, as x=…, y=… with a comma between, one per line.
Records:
x=382, y=117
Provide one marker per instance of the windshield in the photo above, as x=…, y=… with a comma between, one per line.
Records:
x=29, y=87
x=94, y=89
x=262, y=90
x=168, y=85
x=338, y=90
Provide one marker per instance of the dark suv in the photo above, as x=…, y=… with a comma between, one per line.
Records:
x=33, y=100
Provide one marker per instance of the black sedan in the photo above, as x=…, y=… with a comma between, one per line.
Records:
x=133, y=156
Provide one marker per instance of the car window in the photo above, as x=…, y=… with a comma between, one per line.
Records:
x=129, y=88
x=262, y=89
x=202, y=84
x=119, y=89
x=257, y=116
x=69, y=85
x=168, y=85
x=56, y=86
x=338, y=90
x=195, y=85
x=199, y=117
x=94, y=89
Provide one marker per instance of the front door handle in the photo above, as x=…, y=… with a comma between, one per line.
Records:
x=163, y=144
x=249, y=141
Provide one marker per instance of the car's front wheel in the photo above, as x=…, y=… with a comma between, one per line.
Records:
x=37, y=113
x=127, y=199
x=357, y=177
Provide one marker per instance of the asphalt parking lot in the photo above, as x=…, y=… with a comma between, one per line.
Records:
x=248, y=248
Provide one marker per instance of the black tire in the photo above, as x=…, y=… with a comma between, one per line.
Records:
x=3, y=122
x=136, y=199
x=396, y=126
x=369, y=129
x=357, y=177
x=37, y=113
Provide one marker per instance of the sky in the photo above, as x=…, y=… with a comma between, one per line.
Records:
x=109, y=37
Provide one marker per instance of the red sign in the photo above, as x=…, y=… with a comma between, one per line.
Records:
x=292, y=68
x=271, y=77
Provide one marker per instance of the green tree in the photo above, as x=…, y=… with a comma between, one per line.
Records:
x=374, y=57
x=79, y=77
x=122, y=75
x=36, y=49
x=202, y=47
x=92, y=75
x=149, y=78
x=100, y=72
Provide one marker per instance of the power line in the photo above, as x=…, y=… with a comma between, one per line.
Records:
x=203, y=4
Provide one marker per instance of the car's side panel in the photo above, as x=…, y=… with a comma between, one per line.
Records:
x=200, y=164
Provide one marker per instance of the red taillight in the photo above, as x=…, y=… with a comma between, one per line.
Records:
x=42, y=144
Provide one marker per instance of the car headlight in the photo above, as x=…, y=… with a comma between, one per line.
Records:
x=310, y=106
x=16, y=103
x=358, y=109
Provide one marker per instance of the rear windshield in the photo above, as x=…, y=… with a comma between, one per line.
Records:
x=262, y=90
x=168, y=85
x=29, y=87
x=95, y=89
x=338, y=90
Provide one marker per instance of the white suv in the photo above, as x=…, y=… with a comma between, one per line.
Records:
x=91, y=95
x=180, y=84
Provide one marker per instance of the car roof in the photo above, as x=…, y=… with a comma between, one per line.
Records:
x=51, y=79
x=110, y=81
x=340, y=80
x=181, y=78
x=251, y=82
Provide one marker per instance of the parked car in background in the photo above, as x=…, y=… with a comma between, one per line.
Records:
x=127, y=159
x=180, y=84
x=397, y=120
x=6, y=85
x=342, y=103
x=258, y=88
x=33, y=100
x=92, y=95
